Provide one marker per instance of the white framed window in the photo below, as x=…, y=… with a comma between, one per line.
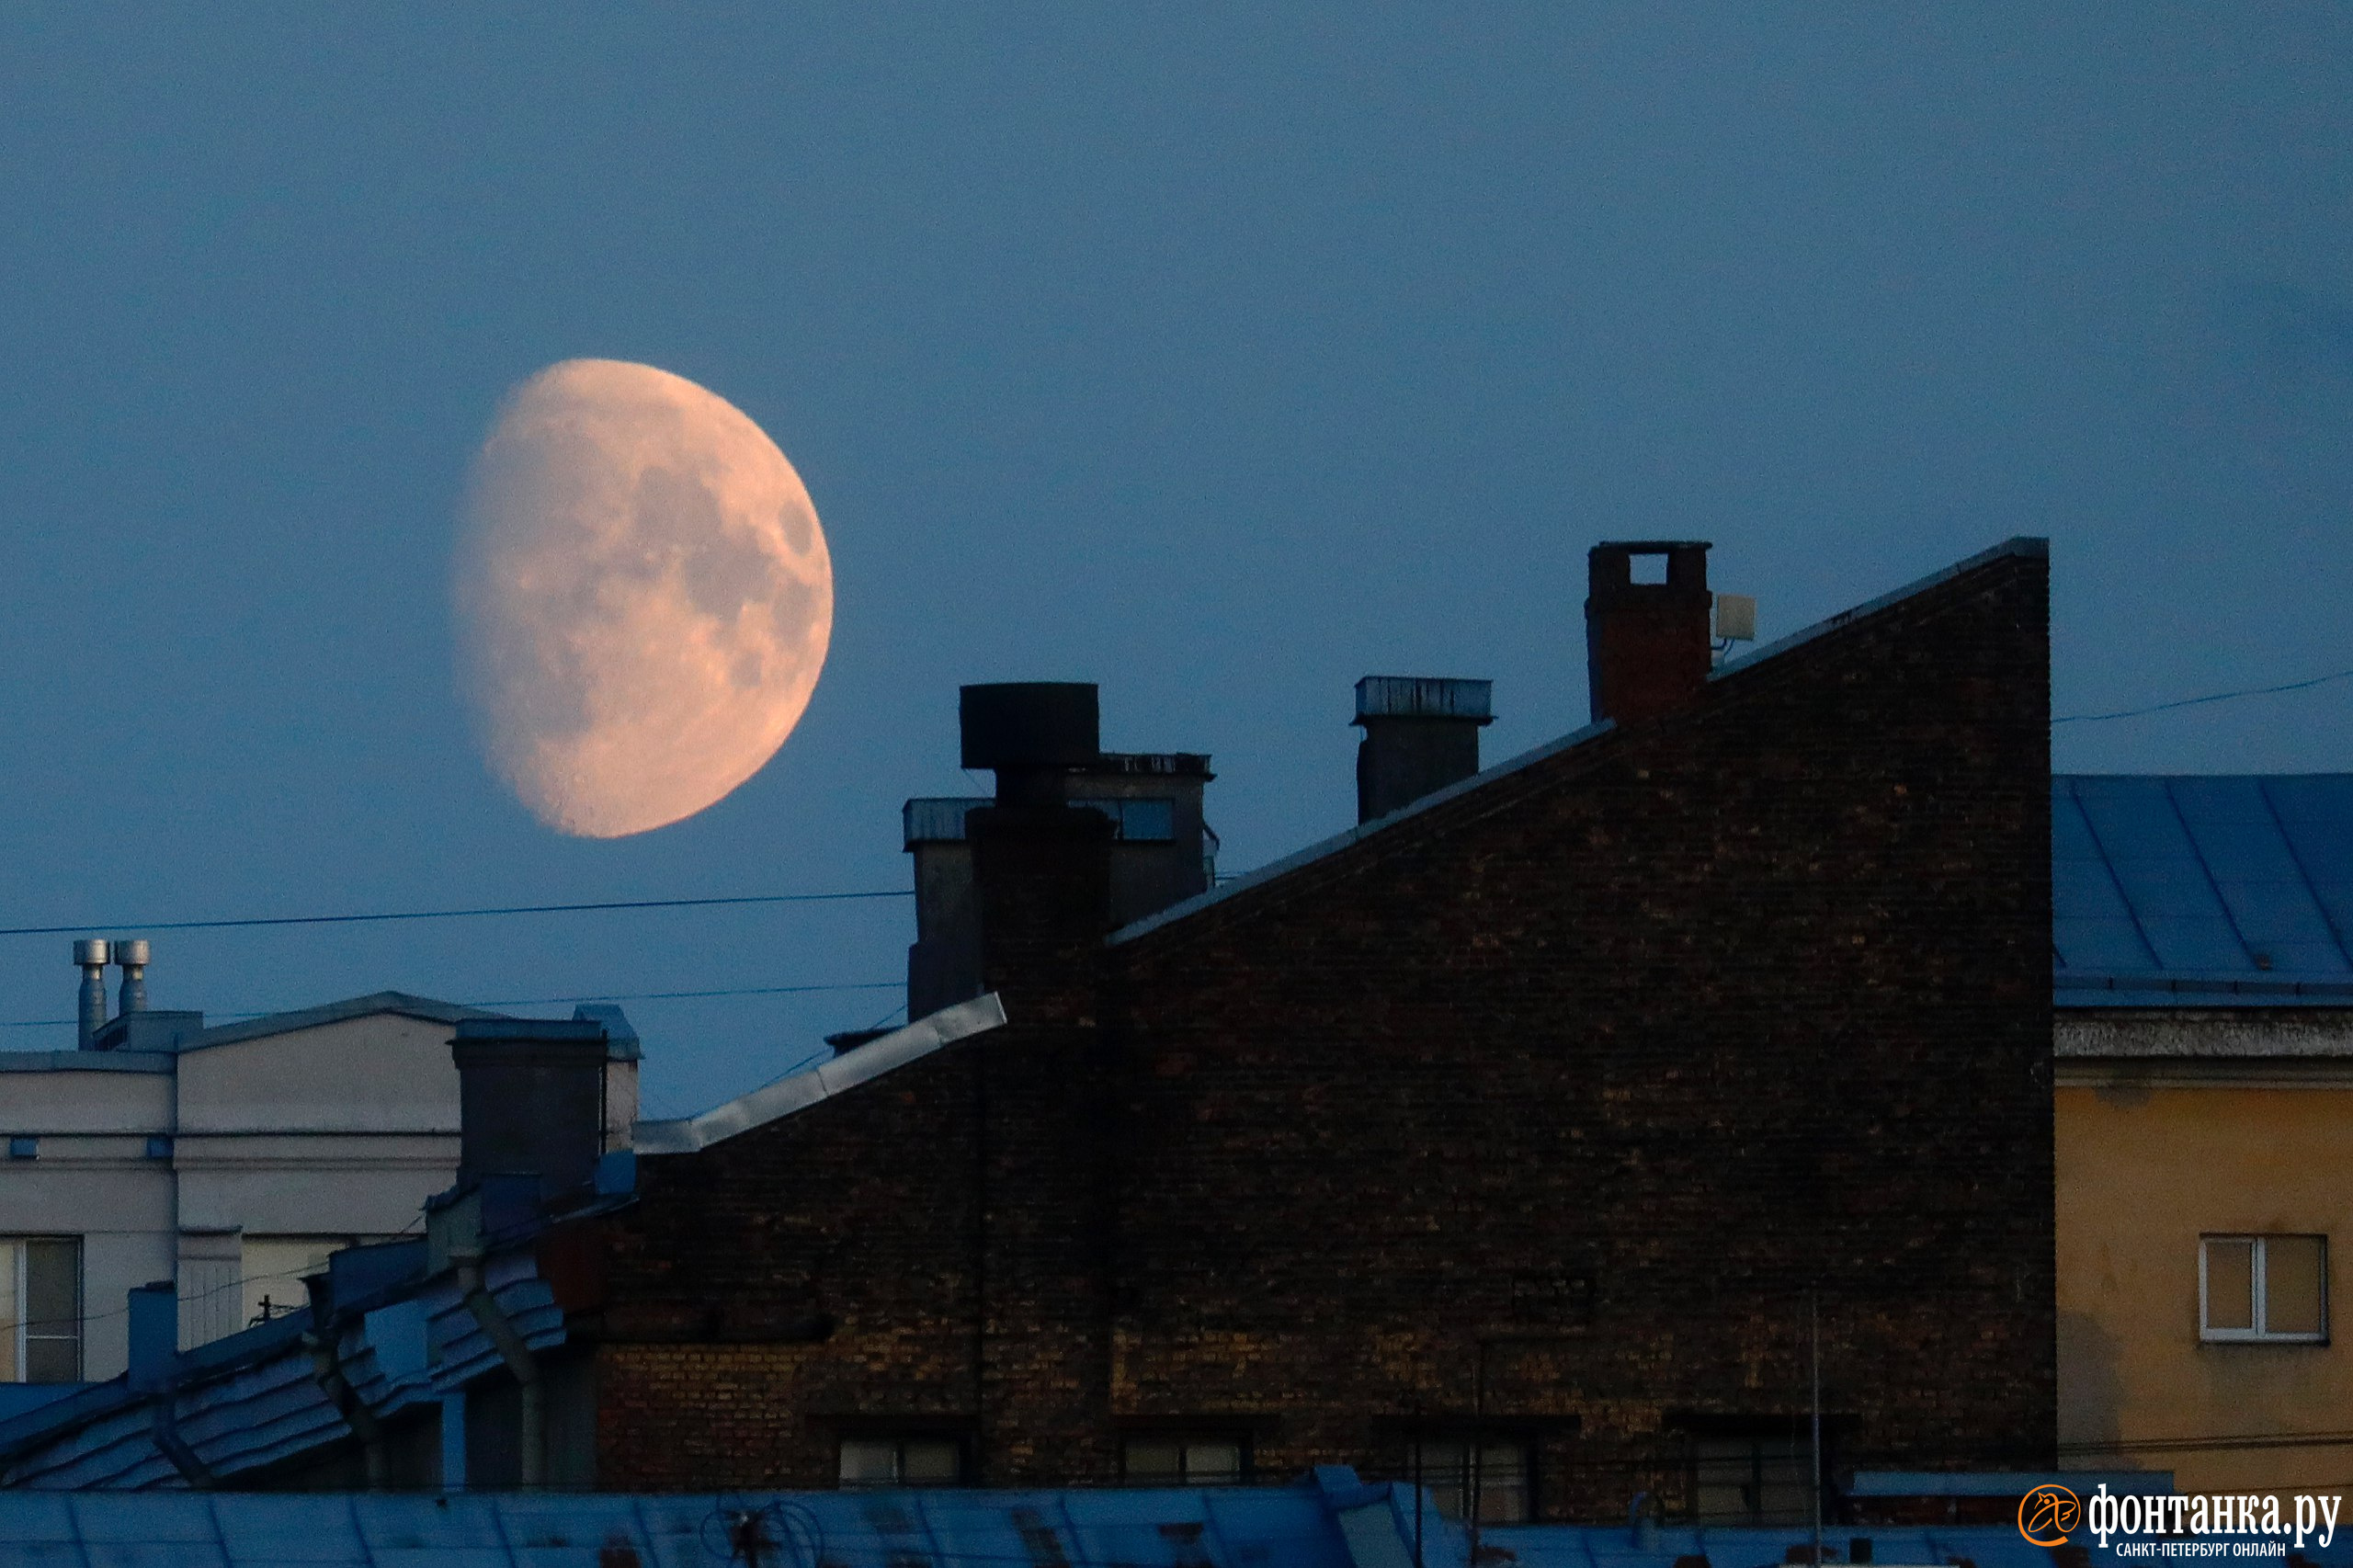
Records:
x=901, y=1462
x=2270, y=1289
x=1492, y=1475
x=40, y=1294
x=1151, y=1458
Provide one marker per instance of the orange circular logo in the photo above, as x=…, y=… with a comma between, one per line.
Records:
x=2047, y=1513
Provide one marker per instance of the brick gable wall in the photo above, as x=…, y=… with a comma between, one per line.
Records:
x=1574, y=1086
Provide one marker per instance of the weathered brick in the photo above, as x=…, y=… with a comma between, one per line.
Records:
x=1581, y=1083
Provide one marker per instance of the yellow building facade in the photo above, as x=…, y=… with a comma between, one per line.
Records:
x=2205, y=1243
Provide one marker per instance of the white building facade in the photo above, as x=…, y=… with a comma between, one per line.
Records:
x=228, y=1160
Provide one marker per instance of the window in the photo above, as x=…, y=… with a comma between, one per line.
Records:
x=1137, y=822
x=2263, y=1287
x=901, y=1461
x=1752, y=1481
x=41, y=1296
x=1494, y=1472
x=1152, y=1460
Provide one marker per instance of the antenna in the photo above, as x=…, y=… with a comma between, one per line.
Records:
x=1735, y=620
x=1813, y=1330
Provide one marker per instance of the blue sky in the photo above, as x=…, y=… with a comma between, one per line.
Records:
x=1218, y=353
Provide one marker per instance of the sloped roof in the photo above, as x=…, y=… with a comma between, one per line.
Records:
x=399, y=1002
x=2221, y=890
x=2024, y=547
x=796, y=1091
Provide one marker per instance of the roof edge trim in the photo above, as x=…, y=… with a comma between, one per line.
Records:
x=798, y=1091
x=1345, y=836
x=399, y=1002
x=2025, y=546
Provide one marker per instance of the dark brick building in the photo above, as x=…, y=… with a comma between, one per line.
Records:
x=1525, y=1121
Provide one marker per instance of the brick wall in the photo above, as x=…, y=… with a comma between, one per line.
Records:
x=1557, y=1101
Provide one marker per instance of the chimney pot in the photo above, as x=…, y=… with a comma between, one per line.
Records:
x=90, y=954
x=1646, y=643
x=130, y=952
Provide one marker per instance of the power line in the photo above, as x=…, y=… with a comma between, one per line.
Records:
x=451, y=914
x=2195, y=702
x=558, y=1001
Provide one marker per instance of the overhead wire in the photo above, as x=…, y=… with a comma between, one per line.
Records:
x=2196, y=701
x=489, y=911
x=559, y=1001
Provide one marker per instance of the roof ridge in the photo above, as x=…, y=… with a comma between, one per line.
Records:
x=2021, y=547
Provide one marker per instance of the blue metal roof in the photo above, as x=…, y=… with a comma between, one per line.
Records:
x=1329, y=1520
x=2202, y=889
x=1749, y=1546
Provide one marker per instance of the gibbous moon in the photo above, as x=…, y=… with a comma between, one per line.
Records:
x=644, y=595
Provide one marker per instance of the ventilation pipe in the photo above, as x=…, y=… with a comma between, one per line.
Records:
x=90, y=953
x=130, y=952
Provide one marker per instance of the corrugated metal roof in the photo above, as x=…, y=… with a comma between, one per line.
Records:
x=2169, y=887
x=1301, y=1526
x=1325, y=1521
x=248, y=1401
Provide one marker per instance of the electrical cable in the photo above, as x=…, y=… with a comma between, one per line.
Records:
x=2195, y=702
x=736, y=899
x=559, y=1001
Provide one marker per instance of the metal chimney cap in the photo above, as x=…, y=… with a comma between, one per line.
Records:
x=90, y=950
x=1425, y=696
x=1034, y=724
x=131, y=950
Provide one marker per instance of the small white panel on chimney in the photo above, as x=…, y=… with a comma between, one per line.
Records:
x=1736, y=617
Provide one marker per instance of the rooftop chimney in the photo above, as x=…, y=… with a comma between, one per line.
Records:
x=153, y=1333
x=130, y=952
x=1043, y=740
x=90, y=953
x=531, y=1099
x=1421, y=734
x=1646, y=644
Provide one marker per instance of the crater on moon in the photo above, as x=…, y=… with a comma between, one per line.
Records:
x=643, y=596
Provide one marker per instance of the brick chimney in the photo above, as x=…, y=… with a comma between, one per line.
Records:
x=1646, y=644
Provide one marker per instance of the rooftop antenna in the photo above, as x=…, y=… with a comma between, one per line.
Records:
x=1813, y=1329
x=1735, y=620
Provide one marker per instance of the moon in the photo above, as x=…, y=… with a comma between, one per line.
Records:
x=643, y=596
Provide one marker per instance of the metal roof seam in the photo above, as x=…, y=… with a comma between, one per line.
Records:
x=2304, y=873
x=2206, y=867
x=2108, y=864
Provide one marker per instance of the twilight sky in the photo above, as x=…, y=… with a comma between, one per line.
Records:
x=1218, y=353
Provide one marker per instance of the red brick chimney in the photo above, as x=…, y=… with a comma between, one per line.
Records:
x=1645, y=643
